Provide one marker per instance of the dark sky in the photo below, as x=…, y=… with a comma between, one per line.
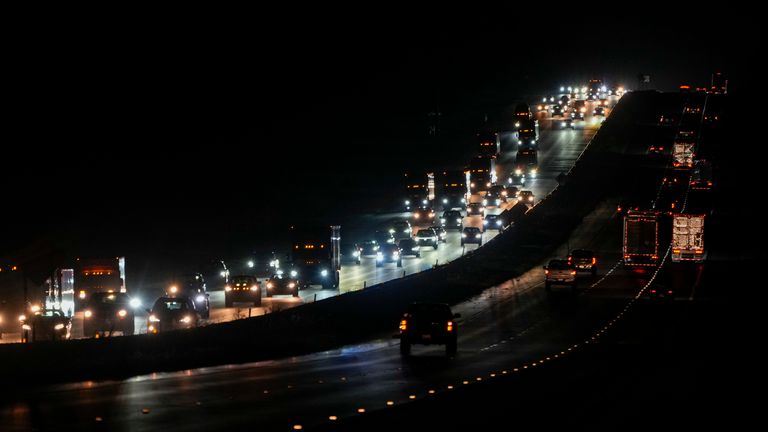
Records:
x=148, y=122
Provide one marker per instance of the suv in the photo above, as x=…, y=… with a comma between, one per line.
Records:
x=584, y=261
x=452, y=219
x=424, y=214
x=559, y=272
x=388, y=253
x=279, y=283
x=472, y=235
x=427, y=237
x=383, y=237
x=428, y=324
x=108, y=312
x=409, y=247
x=242, y=288
x=401, y=230
x=493, y=222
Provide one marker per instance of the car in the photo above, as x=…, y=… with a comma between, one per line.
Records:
x=389, y=253
x=496, y=195
x=108, y=313
x=659, y=292
x=556, y=110
x=45, y=325
x=364, y=249
x=577, y=115
x=452, y=219
x=583, y=260
x=242, y=289
x=442, y=234
x=493, y=222
x=192, y=286
x=409, y=247
x=471, y=235
x=475, y=209
x=282, y=284
x=383, y=237
x=567, y=124
x=401, y=229
x=424, y=215
x=655, y=148
x=512, y=191
x=559, y=272
x=428, y=324
x=527, y=197
x=599, y=111
x=172, y=313
x=427, y=237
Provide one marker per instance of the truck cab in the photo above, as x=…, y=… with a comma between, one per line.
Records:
x=316, y=255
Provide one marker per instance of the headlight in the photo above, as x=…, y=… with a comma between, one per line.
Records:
x=227, y=288
x=445, y=200
x=458, y=220
x=472, y=185
x=530, y=198
x=173, y=289
x=485, y=202
x=153, y=318
x=534, y=171
x=200, y=298
x=463, y=235
x=407, y=202
x=254, y=287
x=26, y=327
x=485, y=222
x=442, y=220
x=135, y=303
x=186, y=320
x=122, y=313
x=478, y=236
x=498, y=222
x=395, y=254
x=379, y=256
x=356, y=253
x=391, y=231
x=463, y=200
x=293, y=273
x=22, y=317
x=416, y=215
x=270, y=285
x=88, y=314
x=81, y=294
x=291, y=285
x=324, y=273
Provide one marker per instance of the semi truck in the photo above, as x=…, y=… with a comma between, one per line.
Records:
x=316, y=255
x=682, y=153
x=527, y=133
x=488, y=144
x=453, y=189
x=687, y=237
x=92, y=275
x=482, y=173
x=641, y=238
x=415, y=191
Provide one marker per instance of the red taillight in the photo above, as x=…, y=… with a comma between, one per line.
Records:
x=573, y=272
x=594, y=260
x=450, y=326
x=653, y=291
x=546, y=272
x=403, y=325
x=618, y=209
x=669, y=292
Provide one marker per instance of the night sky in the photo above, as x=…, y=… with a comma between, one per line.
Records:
x=159, y=129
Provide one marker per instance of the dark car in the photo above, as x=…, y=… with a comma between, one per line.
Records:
x=556, y=110
x=389, y=253
x=282, y=284
x=424, y=215
x=496, y=195
x=515, y=180
x=440, y=232
x=107, y=313
x=475, y=209
x=526, y=197
x=172, y=313
x=364, y=249
x=599, y=111
x=428, y=324
x=46, y=325
x=567, y=124
x=242, y=289
x=452, y=219
x=400, y=230
x=584, y=261
x=471, y=235
x=660, y=292
x=409, y=247
x=493, y=222
x=192, y=286
x=426, y=237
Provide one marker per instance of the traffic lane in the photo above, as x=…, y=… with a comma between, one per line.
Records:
x=492, y=332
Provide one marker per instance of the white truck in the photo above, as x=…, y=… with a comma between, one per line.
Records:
x=687, y=237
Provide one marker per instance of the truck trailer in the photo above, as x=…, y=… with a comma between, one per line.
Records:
x=687, y=237
x=641, y=238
